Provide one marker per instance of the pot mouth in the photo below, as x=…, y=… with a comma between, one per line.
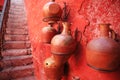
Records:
x=104, y=24
x=52, y=0
x=61, y=54
x=51, y=18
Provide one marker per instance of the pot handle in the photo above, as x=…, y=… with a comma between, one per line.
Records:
x=113, y=34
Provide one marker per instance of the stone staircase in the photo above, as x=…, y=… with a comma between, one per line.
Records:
x=16, y=50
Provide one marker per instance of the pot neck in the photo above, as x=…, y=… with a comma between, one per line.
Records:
x=104, y=30
x=50, y=24
x=66, y=28
x=52, y=0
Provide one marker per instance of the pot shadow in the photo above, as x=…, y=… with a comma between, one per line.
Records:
x=66, y=69
x=78, y=56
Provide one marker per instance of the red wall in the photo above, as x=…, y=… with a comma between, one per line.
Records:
x=83, y=12
x=1, y=2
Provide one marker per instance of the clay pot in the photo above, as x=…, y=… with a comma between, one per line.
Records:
x=47, y=34
x=103, y=53
x=52, y=12
x=52, y=70
x=63, y=45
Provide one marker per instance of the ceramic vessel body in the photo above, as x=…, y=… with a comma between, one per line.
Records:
x=47, y=34
x=63, y=45
x=61, y=59
x=103, y=53
x=52, y=11
x=52, y=70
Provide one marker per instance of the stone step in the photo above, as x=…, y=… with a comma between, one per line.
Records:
x=16, y=31
x=8, y=37
x=17, y=13
x=13, y=61
x=17, y=23
x=19, y=2
x=16, y=72
x=16, y=52
x=21, y=26
x=16, y=10
x=20, y=20
x=16, y=5
x=16, y=44
x=26, y=78
x=17, y=20
x=17, y=16
x=17, y=26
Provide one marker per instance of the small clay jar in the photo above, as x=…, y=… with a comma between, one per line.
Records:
x=52, y=12
x=47, y=33
x=63, y=45
x=52, y=70
x=103, y=53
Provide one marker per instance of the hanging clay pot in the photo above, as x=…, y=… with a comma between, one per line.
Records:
x=52, y=70
x=47, y=34
x=52, y=12
x=103, y=53
x=63, y=45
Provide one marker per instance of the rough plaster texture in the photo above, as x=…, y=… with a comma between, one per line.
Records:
x=85, y=15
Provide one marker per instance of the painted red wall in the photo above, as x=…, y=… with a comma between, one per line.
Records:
x=1, y=2
x=83, y=12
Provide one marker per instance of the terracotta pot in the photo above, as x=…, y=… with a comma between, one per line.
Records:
x=52, y=12
x=47, y=33
x=61, y=59
x=63, y=45
x=52, y=70
x=103, y=53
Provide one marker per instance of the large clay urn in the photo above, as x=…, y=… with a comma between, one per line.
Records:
x=47, y=33
x=103, y=53
x=52, y=12
x=63, y=45
x=52, y=70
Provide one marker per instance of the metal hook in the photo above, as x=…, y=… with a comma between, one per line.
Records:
x=66, y=12
x=76, y=35
x=59, y=28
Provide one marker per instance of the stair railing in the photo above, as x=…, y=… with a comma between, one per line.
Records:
x=3, y=21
